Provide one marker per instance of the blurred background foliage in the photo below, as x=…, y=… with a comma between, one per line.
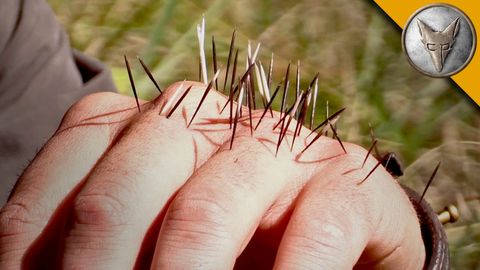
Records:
x=356, y=50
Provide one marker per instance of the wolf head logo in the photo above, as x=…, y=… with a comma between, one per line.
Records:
x=438, y=44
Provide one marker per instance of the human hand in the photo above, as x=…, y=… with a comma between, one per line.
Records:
x=114, y=189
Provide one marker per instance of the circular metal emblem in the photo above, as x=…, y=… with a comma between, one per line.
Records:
x=439, y=40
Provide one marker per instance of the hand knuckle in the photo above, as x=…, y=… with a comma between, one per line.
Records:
x=15, y=219
x=330, y=241
x=197, y=220
x=102, y=209
x=88, y=106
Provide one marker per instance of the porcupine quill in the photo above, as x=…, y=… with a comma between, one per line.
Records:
x=337, y=137
x=322, y=127
x=269, y=105
x=251, y=59
x=201, y=43
x=387, y=157
x=239, y=108
x=314, y=104
x=243, y=79
x=230, y=99
x=368, y=175
x=132, y=83
x=149, y=74
x=285, y=90
x=282, y=119
x=179, y=101
x=230, y=51
x=249, y=105
x=297, y=79
x=429, y=182
x=372, y=136
x=260, y=84
x=284, y=130
x=199, y=69
x=280, y=136
x=326, y=114
x=168, y=104
x=214, y=56
x=232, y=91
x=234, y=72
x=395, y=167
x=303, y=112
x=207, y=90
x=266, y=87
x=330, y=118
x=270, y=72
x=369, y=151
x=285, y=115
x=251, y=95
x=299, y=122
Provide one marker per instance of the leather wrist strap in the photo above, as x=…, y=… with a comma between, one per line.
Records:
x=434, y=237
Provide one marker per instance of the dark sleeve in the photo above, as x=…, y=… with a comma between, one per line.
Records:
x=40, y=78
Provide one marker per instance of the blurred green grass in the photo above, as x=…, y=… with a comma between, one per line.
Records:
x=355, y=49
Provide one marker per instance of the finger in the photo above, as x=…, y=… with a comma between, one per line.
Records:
x=84, y=134
x=214, y=215
x=131, y=184
x=337, y=222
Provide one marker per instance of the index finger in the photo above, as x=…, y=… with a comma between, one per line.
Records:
x=85, y=133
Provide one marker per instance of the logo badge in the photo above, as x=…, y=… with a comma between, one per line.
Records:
x=439, y=40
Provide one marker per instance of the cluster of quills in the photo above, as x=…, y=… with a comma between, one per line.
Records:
x=242, y=90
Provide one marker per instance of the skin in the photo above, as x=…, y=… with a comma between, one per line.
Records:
x=116, y=189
